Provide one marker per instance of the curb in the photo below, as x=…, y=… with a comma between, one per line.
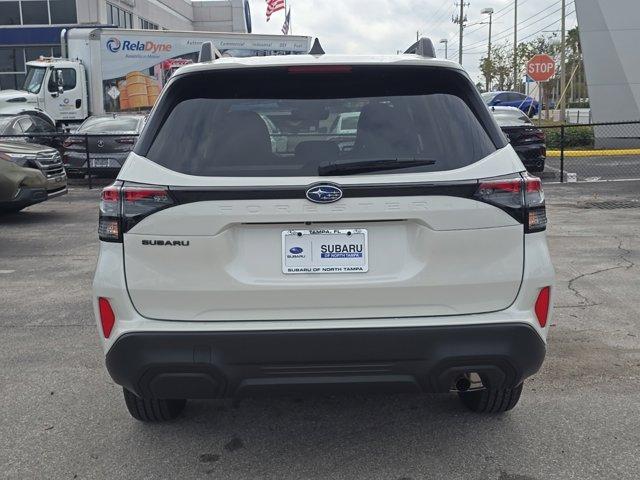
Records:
x=594, y=153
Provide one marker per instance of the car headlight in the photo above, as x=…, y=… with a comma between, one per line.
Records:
x=21, y=159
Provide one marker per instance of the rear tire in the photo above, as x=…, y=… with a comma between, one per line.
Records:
x=152, y=409
x=490, y=400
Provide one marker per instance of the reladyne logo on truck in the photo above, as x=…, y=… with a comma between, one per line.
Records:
x=114, y=45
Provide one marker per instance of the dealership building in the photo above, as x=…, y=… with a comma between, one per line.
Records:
x=610, y=36
x=31, y=28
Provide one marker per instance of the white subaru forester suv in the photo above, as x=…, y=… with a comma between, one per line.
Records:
x=407, y=255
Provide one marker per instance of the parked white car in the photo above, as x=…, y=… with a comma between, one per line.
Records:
x=415, y=260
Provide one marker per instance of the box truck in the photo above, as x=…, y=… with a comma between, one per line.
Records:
x=114, y=70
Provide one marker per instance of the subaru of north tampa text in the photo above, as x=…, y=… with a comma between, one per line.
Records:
x=414, y=258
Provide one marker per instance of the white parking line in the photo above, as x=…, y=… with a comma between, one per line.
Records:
x=6, y=271
x=602, y=181
x=568, y=175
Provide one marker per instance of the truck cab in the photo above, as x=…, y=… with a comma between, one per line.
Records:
x=55, y=86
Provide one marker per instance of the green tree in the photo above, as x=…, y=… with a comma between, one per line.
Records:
x=500, y=68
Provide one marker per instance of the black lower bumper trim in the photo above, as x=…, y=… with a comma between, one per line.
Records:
x=26, y=196
x=229, y=364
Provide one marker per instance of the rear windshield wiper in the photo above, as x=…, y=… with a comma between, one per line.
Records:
x=346, y=167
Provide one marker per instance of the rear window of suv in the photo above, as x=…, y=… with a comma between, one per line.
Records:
x=276, y=121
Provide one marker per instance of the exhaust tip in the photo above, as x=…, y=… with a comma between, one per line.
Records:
x=463, y=384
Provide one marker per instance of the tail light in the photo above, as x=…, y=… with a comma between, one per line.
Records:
x=520, y=196
x=539, y=134
x=542, y=306
x=109, y=224
x=107, y=317
x=123, y=205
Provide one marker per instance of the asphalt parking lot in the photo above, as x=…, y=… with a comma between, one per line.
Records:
x=594, y=168
x=579, y=417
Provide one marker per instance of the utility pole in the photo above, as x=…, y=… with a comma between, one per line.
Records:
x=446, y=48
x=515, y=44
x=460, y=20
x=563, y=70
x=488, y=11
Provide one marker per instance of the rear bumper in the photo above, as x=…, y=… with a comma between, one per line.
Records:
x=532, y=156
x=75, y=163
x=229, y=364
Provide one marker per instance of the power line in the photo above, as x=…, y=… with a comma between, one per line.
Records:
x=505, y=10
x=550, y=25
x=507, y=34
x=532, y=34
x=521, y=25
x=438, y=17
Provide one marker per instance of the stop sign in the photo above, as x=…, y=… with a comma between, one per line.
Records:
x=541, y=67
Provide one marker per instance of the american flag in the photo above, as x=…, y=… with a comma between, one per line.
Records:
x=287, y=22
x=273, y=6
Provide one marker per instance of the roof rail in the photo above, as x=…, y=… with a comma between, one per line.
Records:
x=423, y=47
x=208, y=53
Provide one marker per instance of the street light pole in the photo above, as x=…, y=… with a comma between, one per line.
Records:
x=515, y=43
x=461, y=22
x=446, y=48
x=563, y=72
x=488, y=11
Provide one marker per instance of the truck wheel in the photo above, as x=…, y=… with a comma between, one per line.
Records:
x=152, y=409
x=491, y=400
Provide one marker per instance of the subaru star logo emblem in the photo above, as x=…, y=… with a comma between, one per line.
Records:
x=100, y=143
x=324, y=193
x=296, y=250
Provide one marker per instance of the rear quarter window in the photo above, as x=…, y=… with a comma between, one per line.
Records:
x=219, y=123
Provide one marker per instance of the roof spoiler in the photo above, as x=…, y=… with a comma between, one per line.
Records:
x=423, y=47
x=208, y=53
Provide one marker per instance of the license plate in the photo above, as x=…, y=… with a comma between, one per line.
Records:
x=102, y=162
x=325, y=251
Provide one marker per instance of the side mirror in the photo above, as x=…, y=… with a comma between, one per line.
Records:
x=58, y=79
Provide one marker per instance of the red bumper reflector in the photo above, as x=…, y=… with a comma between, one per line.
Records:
x=542, y=306
x=107, y=317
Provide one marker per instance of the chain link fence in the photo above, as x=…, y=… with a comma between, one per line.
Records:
x=592, y=152
x=575, y=152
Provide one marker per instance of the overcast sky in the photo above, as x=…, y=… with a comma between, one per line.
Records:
x=386, y=26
